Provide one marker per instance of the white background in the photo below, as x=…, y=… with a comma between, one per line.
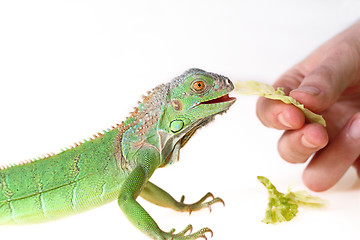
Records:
x=69, y=69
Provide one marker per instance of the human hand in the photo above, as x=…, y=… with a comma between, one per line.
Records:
x=326, y=82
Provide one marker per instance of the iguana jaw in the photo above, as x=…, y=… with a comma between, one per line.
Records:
x=221, y=104
x=216, y=105
x=222, y=99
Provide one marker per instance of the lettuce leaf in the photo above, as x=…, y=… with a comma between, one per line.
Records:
x=284, y=207
x=267, y=91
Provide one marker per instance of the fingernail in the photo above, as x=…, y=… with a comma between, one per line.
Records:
x=355, y=129
x=306, y=143
x=308, y=89
x=283, y=120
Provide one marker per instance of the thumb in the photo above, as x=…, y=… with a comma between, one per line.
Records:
x=324, y=84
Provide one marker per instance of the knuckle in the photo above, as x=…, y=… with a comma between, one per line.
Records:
x=325, y=72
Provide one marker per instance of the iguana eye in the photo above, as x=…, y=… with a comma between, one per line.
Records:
x=198, y=85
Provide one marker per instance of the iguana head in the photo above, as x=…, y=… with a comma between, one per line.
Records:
x=193, y=99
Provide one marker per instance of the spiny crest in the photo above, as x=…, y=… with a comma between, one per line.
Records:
x=152, y=103
x=51, y=154
x=150, y=109
x=47, y=155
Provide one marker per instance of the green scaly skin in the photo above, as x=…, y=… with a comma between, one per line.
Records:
x=119, y=163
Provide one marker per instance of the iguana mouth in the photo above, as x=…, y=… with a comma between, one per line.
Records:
x=221, y=99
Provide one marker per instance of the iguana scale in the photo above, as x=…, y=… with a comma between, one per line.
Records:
x=119, y=163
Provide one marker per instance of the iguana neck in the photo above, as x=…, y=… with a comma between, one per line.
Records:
x=140, y=128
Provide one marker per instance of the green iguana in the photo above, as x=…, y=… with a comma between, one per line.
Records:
x=118, y=163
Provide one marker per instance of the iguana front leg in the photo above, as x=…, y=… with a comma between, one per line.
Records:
x=138, y=216
x=158, y=196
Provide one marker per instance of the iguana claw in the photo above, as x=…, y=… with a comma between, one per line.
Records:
x=182, y=235
x=201, y=203
x=188, y=228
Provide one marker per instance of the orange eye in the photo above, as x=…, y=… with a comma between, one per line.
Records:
x=198, y=85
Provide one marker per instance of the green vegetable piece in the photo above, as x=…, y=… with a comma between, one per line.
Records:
x=284, y=207
x=265, y=90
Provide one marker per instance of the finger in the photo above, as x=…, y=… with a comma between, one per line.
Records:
x=323, y=84
x=297, y=146
x=357, y=166
x=291, y=79
x=278, y=115
x=329, y=165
